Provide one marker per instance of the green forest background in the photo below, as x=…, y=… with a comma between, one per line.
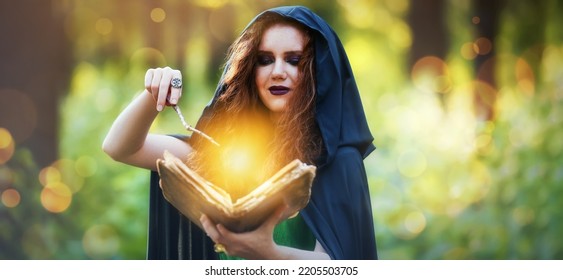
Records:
x=463, y=98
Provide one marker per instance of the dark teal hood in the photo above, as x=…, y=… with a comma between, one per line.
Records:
x=339, y=111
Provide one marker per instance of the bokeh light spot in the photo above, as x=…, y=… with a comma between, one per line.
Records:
x=430, y=74
x=86, y=166
x=475, y=20
x=49, y=175
x=468, y=51
x=105, y=100
x=415, y=222
x=483, y=46
x=210, y=3
x=158, y=15
x=489, y=127
x=7, y=145
x=398, y=6
x=5, y=138
x=485, y=92
x=56, y=197
x=7, y=176
x=11, y=198
x=412, y=163
x=400, y=35
x=86, y=77
x=525, y=77
x=152, y=56
x=551, y=63
x=482, y=140
x=100, y=242
x=69, y=175
x=361, y=54
x=104, y=26
x=363, y=14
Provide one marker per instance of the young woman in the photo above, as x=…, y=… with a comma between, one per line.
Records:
x=287, y=76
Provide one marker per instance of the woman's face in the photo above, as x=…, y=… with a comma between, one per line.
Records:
x=277, y=74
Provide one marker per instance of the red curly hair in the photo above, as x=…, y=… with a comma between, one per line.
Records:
x=238, y=111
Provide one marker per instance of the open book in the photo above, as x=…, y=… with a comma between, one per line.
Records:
x=193, y=195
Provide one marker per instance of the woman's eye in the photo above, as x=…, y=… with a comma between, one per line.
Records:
x=265, y=60
x=293, y=60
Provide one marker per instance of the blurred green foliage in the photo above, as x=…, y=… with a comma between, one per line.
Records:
x=444, y=183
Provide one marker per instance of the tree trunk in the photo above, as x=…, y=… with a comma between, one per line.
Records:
x=34, y=73
x=487, y=13
x=426, y=19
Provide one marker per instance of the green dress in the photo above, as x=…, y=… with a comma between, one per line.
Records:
x=291, y=233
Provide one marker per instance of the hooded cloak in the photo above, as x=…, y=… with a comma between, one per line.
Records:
x=339, y=213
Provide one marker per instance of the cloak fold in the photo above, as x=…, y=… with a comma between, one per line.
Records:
x=172, y=236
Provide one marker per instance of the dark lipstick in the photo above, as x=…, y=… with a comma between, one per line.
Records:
x=278, y=90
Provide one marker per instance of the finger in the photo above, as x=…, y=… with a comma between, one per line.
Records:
x=175, y=92
x=224, y=232
x=209, y=228
x=155, y=85
x=276, y=217
x=164, y=87
x=148, y=79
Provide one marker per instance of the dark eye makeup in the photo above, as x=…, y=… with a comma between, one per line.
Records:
x=293, y=59
x=266, y=59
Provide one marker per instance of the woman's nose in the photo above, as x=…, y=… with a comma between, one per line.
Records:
x=279, y=71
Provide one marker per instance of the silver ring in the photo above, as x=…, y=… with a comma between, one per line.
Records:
x=176, y=83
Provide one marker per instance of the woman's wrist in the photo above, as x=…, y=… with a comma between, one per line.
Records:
x=149, y=102
x=278, y=252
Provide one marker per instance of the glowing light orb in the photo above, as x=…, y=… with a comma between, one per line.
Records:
x=241, y=168
x=238, y=160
